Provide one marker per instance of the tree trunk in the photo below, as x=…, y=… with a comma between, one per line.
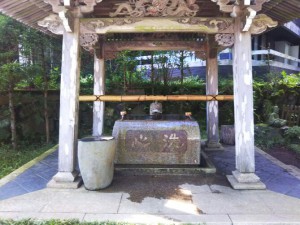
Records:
x=181, y=67
x=12, y=118
x=46, y=115
x=152, y=72
x=125, y=79
x=181, y=77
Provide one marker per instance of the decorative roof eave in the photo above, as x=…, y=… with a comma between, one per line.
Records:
x=279, y=10
x=27, y=12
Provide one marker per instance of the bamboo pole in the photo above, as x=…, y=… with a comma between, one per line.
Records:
x=142, y=98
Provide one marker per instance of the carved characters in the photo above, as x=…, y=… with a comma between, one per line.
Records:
x=156, y=141
x=172, y=143
x=170, y=8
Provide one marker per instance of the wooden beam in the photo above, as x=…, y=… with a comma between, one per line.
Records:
x=154, y=46
x=141, y=98
x=154, y=24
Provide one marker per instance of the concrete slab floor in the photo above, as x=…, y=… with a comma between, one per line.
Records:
x=203, y=198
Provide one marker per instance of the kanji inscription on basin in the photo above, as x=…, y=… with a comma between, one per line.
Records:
x=156, y=141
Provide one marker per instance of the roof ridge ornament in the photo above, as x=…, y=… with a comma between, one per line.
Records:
x=170, y=8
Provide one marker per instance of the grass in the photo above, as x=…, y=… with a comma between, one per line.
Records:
x=56, y=222
x=11, y=160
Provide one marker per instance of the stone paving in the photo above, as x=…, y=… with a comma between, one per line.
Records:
x=33, y=179
x=279, y=179
x=138, y=199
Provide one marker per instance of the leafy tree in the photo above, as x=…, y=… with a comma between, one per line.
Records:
x=10, y=69
x=42, y=53
x=10, y=75
x=38, y=53
x=9, y=39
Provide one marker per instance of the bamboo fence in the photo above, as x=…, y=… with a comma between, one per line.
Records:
x=141, y=98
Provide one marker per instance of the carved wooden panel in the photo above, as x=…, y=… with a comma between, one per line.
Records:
x=157, y=8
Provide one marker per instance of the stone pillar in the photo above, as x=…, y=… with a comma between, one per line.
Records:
x=99, y=89
x=212, y=110
x=68, y=119
x=244, y=176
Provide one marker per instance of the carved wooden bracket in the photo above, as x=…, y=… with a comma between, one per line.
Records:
x=225, y=40
x=229, y=6
x=245, y=9
x=53, y=23
x=165, y=8
x=248, y=18
x=57, y=6
x=261, y=23
x=57, y=24
x=258, y=4
x=83, y=6
x=225, y=5
x=88, y=41
x=67, y=20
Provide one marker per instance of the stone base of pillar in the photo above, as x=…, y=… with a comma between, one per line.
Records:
x=213, y=146
x=245, y=181
x=65, y=180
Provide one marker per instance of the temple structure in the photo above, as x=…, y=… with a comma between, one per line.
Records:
x=105, y=27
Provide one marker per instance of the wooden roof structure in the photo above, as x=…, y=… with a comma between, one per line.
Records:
x=30, y=12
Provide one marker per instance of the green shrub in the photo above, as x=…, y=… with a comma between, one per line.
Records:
x=267, y=137
x=292, y=135
x=292, y=138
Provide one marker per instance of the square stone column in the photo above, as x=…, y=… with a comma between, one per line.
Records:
x=212, y=109
x=244, y=177
x=99, y=89
x=67, y=176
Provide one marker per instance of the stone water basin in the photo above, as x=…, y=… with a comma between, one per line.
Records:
x=171, y=140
